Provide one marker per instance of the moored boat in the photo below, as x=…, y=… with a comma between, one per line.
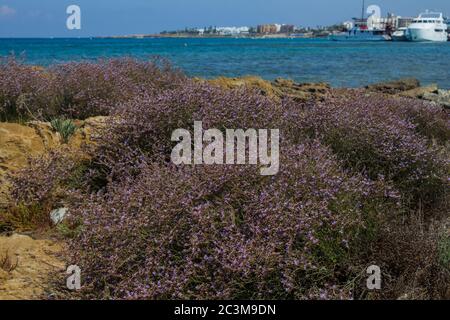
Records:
x=359, y=34
x=428, y=26
x=361, y=31
x=400, y=35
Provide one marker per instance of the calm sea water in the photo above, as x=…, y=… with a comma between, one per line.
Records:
x=309, y=60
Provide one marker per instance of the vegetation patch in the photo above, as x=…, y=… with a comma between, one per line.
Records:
x=363, y=180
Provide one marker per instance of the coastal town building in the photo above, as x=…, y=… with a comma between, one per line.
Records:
x=275, y=28
x=267, y=29
x=391, y=22
x=232, y=30
x=382, y=23
x=388, y=25
x=287, y=28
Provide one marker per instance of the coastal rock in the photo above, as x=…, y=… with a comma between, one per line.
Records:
x=420, y=92
x=301, y=91
x=264, y=86
x=441, y=97
x=87, y=130
x=429, y=93
x=18, y=143
x=395, y=87
x=29, y=265
x=279, y=88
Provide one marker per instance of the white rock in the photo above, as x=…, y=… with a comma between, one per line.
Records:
x=58, y=215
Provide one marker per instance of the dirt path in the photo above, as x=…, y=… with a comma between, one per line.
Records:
x=32, y=261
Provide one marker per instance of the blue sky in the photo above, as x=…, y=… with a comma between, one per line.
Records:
x=47, y=18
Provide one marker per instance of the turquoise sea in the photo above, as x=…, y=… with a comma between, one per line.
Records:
x=342, y=64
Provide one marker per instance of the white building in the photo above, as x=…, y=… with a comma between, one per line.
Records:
x=226, y=31
x=380, y=23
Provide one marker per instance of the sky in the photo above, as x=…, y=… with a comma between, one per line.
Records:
x=47, y=18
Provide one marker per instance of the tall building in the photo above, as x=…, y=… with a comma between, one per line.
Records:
x=287, y=28
x=267, y=29
x=391, y=21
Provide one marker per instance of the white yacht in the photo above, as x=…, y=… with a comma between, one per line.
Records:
x=429, y=26
x=447, y=21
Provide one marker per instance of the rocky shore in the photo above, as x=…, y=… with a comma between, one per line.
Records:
x=302, y=92
x=411, y=88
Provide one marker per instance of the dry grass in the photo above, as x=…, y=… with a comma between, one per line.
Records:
x=22, y=218
x=414, y=255
x=7, y=262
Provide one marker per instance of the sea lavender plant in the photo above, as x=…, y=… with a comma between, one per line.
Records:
x=373, y=139
x=141, y=128
x=146, y=228
x=42, y=182
x=224, y=232
x=25, y=91
x=78, y=90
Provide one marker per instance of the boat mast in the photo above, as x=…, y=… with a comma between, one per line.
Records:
x=363, y=10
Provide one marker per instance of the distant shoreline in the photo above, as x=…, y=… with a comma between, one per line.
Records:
x=191, y=36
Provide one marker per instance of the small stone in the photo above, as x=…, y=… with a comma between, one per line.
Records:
x=58, y=215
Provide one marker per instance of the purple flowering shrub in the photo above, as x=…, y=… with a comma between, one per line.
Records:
x=351, y=165
x=78, y=90
x=225, y=232
x=141, y=128
x=370, y=137
x=42, y=187
x=431, y=121
x=90, y=89
x=38, y=182
x=25, y=91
